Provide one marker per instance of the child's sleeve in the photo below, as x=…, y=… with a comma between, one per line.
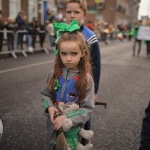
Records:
x=47, y=101
x=96, y=64
x=81, y=116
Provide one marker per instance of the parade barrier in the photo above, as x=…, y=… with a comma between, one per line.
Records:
x=26, y=49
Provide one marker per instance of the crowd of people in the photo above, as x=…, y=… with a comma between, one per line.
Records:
x=31, y=30
x=21, y=29
x=107, y=32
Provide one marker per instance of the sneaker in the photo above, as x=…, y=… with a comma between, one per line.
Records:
x=30, y=49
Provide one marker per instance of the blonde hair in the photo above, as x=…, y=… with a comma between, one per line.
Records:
x=82, y=4
x=84, y=65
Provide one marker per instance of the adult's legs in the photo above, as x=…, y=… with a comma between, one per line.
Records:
x=33, y=40
x=20, y=41
x=1, y=41
x=134, y=47
x=139, y=43
x=148, y=48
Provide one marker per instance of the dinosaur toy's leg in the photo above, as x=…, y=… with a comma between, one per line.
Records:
x=87, y=134
x=87, y=147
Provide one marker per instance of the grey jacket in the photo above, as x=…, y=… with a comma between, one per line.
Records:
x=86, y=107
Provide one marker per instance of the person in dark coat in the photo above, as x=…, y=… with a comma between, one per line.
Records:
x=10, y=26
x=20, y=27
x=42, y=34
x=36, y=28
x=145, y=132
x=1, y=33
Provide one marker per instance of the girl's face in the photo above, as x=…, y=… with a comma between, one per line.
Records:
x=73, y=11
x=70, y=54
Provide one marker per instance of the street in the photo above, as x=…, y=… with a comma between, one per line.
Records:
x=124, y=86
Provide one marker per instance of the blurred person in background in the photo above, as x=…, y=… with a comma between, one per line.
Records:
x=90, y=25
x=112, y=32
x=148, y=41
x=120, y=32
x=20, y=27
x=36, y=28
x=51, y=34
x=106, y=32
x=1, y=33
x=97, y=29
x=10, y=26
x=42, y=34
x=130, y=32
x=136, y=40
x=50, y=16
x=30, y=30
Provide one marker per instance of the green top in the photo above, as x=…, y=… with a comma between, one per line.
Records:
x=136, y=30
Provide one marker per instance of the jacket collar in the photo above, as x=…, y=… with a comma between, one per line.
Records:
x=68, y=74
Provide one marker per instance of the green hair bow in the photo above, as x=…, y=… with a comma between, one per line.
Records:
x=60, y=28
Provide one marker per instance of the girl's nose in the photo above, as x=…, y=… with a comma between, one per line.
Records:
x=68, y=58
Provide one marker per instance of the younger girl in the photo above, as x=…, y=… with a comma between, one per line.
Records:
x=71, y=80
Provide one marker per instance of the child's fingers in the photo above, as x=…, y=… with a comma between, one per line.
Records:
x=52, y=117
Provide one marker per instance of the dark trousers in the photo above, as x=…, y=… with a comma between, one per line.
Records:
x=42, y=38
x=20, y=41
x=148, y=47
x=10, y=40
x=33, y=40
x=130, y=37
x=87, y=126
x=139, y=42
x=145, y=132
x=1, y=41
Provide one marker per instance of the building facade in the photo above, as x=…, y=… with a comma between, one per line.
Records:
x=31, y=8
x=110, y=11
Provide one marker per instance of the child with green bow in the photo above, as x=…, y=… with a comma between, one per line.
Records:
x=70, y=82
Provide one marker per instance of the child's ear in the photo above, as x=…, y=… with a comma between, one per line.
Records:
x=83, y=53
x=85, y=14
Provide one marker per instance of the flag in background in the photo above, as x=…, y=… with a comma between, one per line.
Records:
x=97, y=1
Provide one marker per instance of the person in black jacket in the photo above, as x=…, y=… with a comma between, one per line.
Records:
x=1, y=33
x=42, y=34
x=10, y=26
x=20, y=27
x=145, y=132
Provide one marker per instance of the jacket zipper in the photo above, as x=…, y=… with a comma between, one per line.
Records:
x=64, y=86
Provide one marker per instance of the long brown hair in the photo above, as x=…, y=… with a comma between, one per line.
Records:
x=84, y=65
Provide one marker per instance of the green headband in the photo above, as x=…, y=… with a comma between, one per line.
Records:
x=60, y=28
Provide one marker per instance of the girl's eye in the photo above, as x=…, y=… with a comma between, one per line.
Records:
x=74, y=53
x=63, y=53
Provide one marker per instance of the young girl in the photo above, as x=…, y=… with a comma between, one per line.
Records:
x=71, y=81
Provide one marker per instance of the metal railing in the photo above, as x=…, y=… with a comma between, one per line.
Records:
x=25, y=50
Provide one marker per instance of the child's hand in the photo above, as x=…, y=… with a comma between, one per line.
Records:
x=58, y=122
x=52, y=110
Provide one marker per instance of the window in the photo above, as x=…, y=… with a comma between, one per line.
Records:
x=61, y=3
x=0, y=4
x=101, y=4
x=32, y=9
x=14, y=8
